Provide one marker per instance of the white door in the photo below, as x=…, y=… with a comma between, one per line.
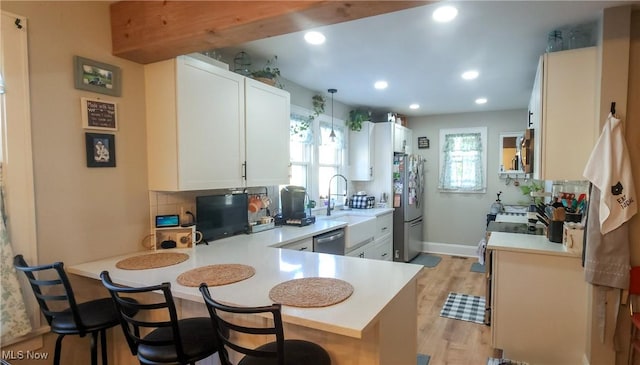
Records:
x=267, y=134
x=210, y=126
x=361, y=153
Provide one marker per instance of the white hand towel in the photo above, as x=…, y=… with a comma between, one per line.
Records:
x=609, y=169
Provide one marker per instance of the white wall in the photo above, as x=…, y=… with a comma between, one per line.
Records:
x=82, y=213
x=461, y=218
x=301, y=97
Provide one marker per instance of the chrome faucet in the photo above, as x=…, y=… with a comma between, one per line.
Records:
x=329, y=195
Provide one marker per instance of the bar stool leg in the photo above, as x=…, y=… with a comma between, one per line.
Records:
x=103, y=345
x=94, y=350
x=56, y=356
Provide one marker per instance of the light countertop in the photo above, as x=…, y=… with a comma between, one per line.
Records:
x=366, y=212
x=273, y=266
x=537, y=244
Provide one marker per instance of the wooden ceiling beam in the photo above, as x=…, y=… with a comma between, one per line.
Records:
x=150, y=31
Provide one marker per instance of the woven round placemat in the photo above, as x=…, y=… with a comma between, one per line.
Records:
x=311, y=292
x=152, y=261
x=215, y=275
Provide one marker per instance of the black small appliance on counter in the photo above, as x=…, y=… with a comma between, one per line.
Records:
x=223, y=215
x=292, y=199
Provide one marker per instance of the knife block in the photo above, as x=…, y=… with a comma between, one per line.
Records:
x=554, y=231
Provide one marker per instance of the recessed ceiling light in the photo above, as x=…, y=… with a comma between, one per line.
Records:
x=380, y=85
x=414, y=106
x=314, y=37
x=481, y=100
x=470, y=75
x=445, y=14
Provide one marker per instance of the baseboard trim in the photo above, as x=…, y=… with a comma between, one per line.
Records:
x=451, y=249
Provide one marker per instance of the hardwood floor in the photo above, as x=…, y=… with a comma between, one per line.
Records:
x=450, y=341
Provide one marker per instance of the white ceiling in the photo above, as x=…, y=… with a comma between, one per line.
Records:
x=422, y=60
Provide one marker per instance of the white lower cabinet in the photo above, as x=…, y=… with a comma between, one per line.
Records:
x=381, y=247
x=301, y=245
x=384, y=224
x=539, y=307
x=358, y=252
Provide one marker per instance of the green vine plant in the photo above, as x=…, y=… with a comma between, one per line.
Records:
x=270, y=71
x=532, y=186
x=356, y=117
x=318, y=102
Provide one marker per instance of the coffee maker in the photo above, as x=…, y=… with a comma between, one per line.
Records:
x=292, y=199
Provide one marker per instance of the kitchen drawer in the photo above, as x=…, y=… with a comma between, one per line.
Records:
x=384, y=224
x=359, y=252
x=302, y=245
x=381, y=249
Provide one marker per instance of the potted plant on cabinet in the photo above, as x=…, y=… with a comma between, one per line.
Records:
x=269, y=73
x=356, y=117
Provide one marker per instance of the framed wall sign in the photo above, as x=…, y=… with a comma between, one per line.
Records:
x=101, y=150
x=99, y=114
x=423, y=142
x=96, y=76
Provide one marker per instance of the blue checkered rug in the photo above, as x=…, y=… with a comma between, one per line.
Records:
x=464, y=307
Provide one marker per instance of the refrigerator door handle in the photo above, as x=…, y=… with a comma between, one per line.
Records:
x=416, y=222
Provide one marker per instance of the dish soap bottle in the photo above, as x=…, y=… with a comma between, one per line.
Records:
x=497, y=207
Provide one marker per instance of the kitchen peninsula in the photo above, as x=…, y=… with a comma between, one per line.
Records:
x=375, y=325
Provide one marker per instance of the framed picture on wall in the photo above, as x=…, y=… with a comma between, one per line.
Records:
x=101, y=149
x=99, y=114
x=96, y=76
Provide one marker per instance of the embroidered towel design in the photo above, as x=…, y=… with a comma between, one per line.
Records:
x=609, y=169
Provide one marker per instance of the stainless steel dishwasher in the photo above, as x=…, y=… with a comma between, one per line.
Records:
x=330, y=242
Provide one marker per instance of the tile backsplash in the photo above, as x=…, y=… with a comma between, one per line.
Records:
x=181, y=202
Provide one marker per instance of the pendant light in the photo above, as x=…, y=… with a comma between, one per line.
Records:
x=333, y=133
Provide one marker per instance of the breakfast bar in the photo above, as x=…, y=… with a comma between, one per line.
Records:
x=376, y=324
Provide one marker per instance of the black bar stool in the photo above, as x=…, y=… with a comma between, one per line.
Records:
x=278, y=352
x=167, y=339
x=52, y=289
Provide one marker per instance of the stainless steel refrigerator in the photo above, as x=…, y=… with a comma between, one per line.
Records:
x=408, y=193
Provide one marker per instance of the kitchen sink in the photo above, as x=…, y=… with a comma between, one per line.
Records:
x=359, y=228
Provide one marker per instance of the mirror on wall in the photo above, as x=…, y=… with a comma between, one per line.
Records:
x=511, y=152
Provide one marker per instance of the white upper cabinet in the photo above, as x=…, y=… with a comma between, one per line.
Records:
x=195, y=125
x=267, y=134
x=408, y=141
x=362, y=153
x=535, y=118
x=202, y=133
x=568, y=126
x=402, y=139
